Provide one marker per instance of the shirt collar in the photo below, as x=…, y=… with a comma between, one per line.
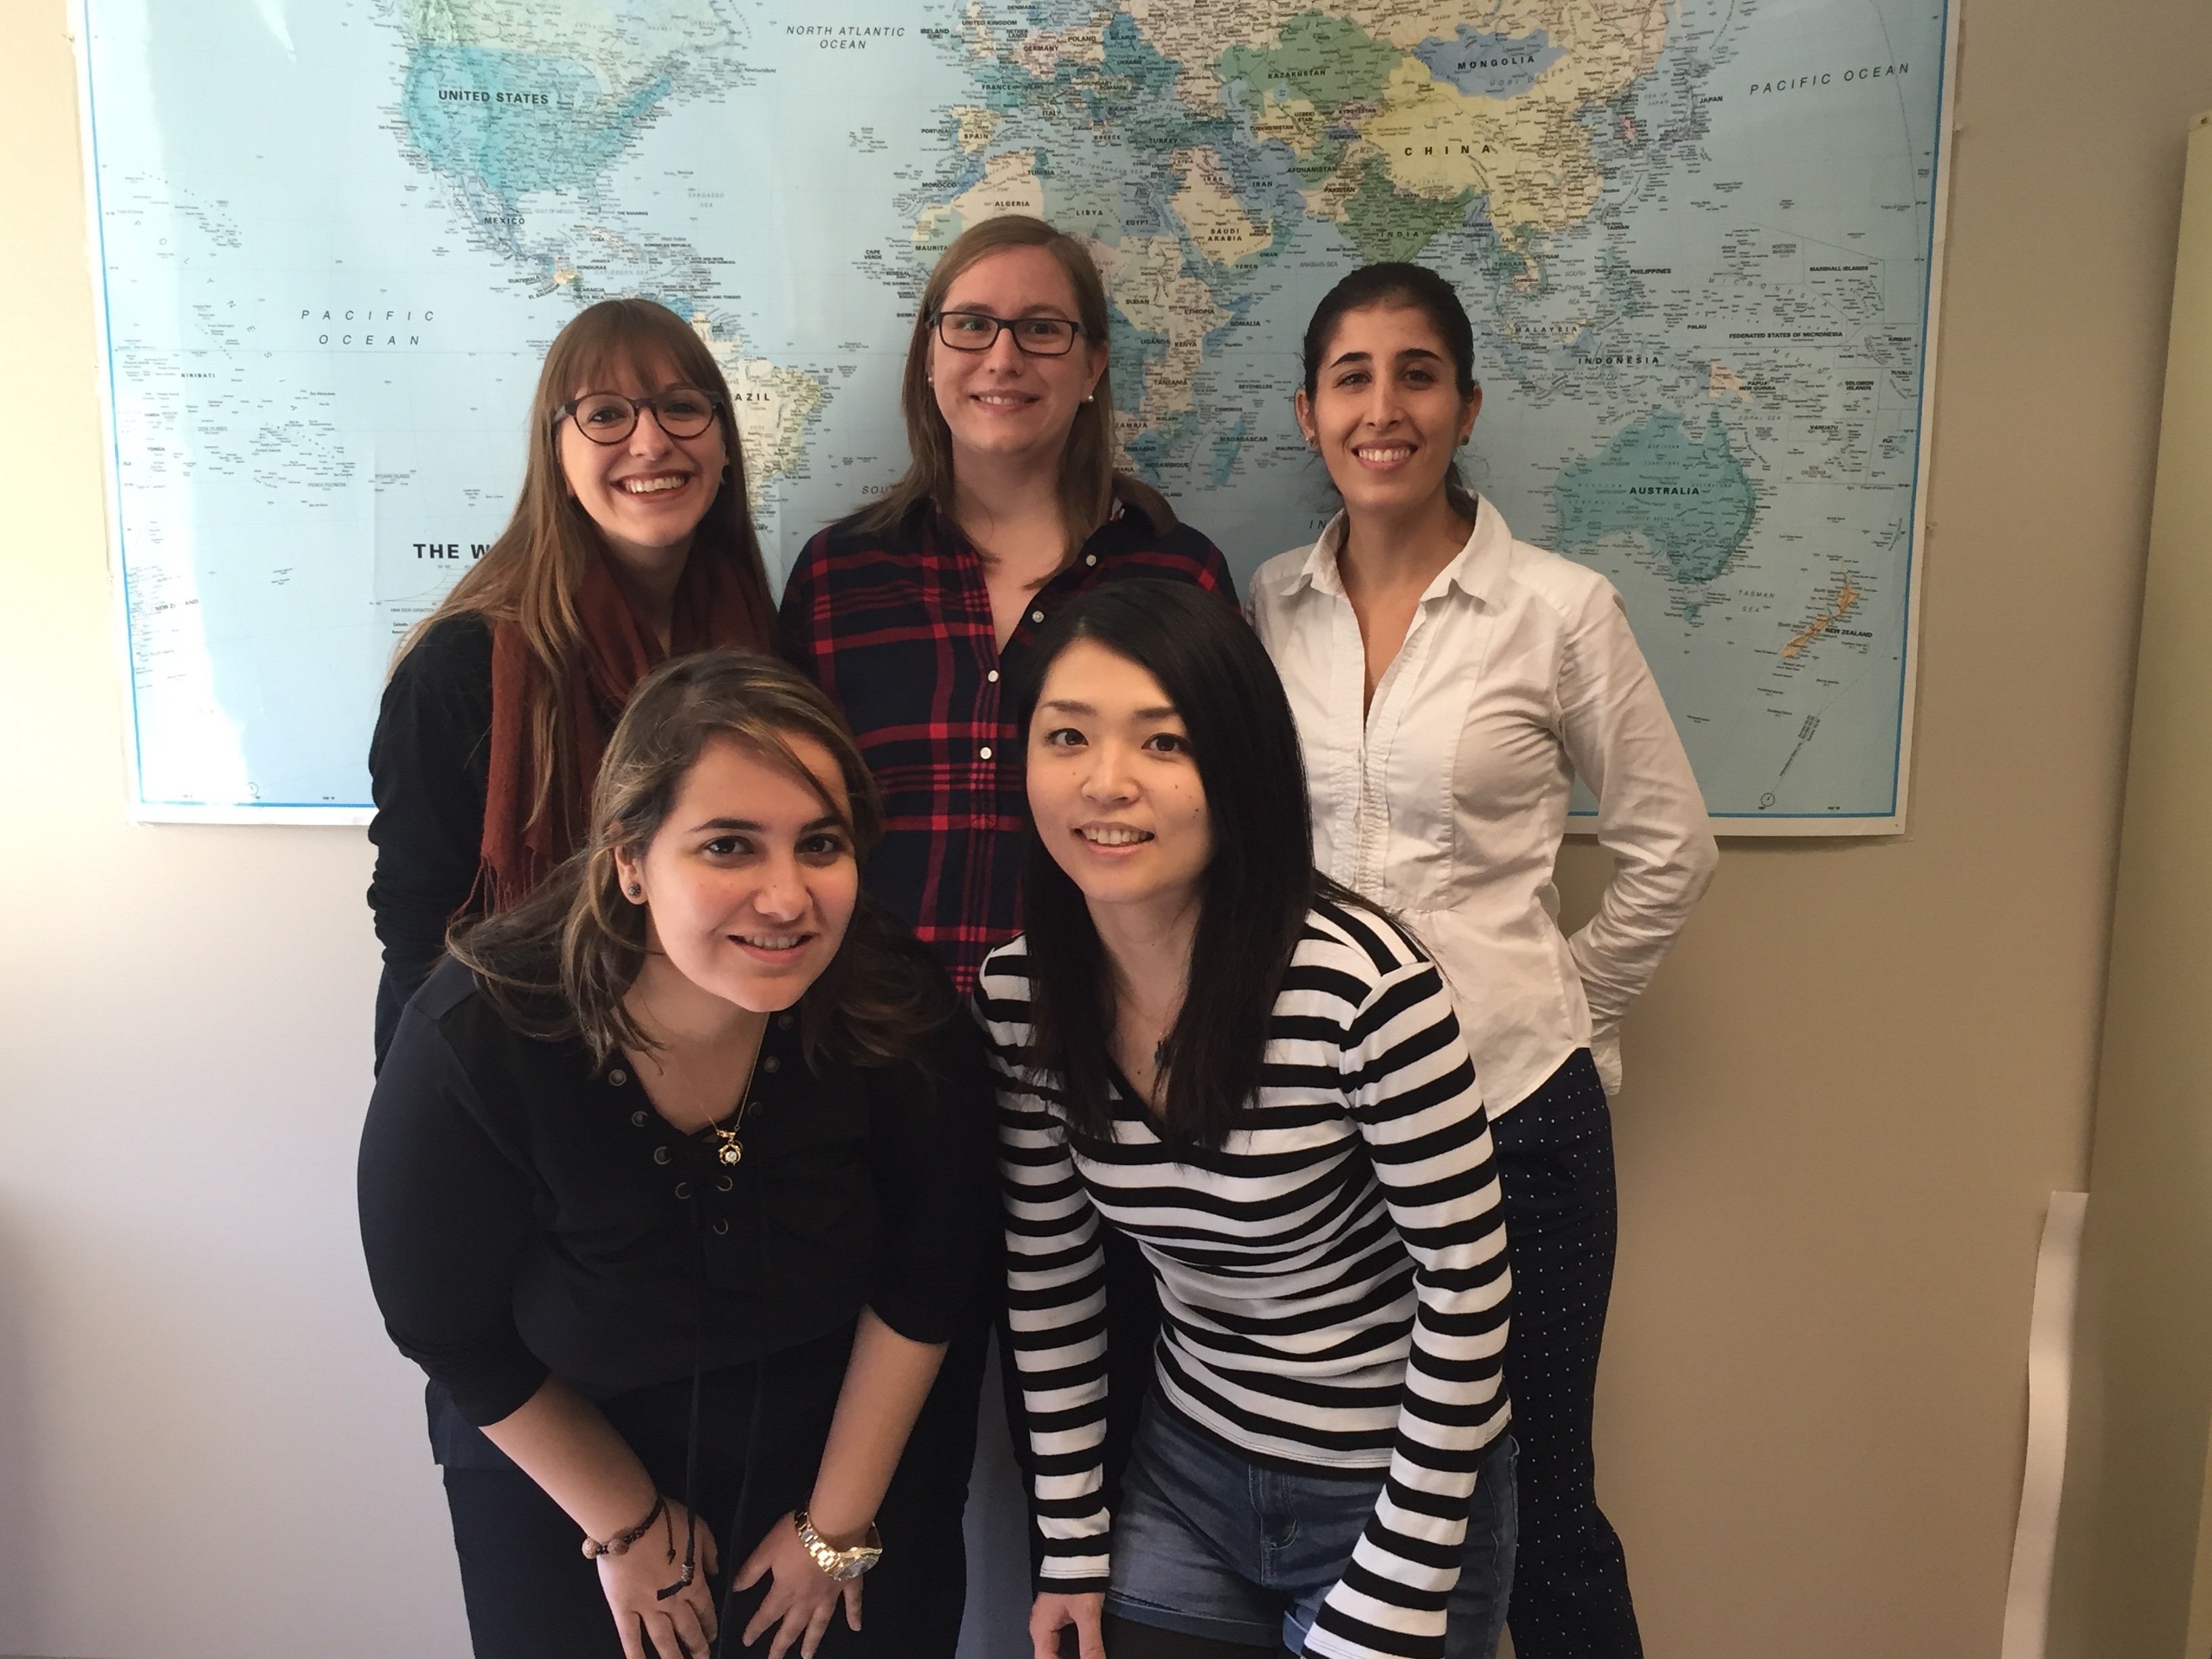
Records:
x=1477, y=570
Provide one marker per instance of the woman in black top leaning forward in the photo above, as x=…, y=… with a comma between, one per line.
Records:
x=631, y=542
x=674, y=1181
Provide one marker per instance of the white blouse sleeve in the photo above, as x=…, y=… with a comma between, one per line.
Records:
x=1650, y=816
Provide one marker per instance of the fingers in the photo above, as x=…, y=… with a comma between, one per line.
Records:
x=750, y=1574
x=667, y=1641
x=853, y=1603
x=694, y=1627
x=632, y=1631
x=815, y=1627
x=1090, y=1637
x=1044, y=1633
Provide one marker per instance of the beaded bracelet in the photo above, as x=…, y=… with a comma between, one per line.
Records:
x=621, y=1540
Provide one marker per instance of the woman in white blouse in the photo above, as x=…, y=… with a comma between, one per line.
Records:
x=1450, y=684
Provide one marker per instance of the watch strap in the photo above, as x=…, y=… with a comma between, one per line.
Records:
x=840, y=1565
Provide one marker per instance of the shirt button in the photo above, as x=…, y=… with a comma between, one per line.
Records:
x=1091, y=558
x=992, y=677
x=985, y=751
x=771, y=1064
x=618, y=1077
x=660, y=1155
x=785, y=1022
x=1037, y=616
x=637, y=1119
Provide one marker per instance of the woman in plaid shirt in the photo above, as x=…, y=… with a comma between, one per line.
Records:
x=916, y=615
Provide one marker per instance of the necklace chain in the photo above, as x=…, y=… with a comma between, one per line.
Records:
x=729, y=1149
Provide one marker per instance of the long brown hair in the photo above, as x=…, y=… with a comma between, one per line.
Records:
x=560, y=964
x=1088, y=481
x=530, y=576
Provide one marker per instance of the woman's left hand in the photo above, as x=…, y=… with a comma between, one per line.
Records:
x=800, y=1598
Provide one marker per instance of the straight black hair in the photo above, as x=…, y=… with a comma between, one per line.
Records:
x=1257, y=890
x=1396, y=284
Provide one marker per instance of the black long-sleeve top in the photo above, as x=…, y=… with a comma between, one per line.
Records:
x=430, y=769
x=527, y=1213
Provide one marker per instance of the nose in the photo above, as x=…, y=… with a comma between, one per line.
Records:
x=1109, y=780
x=647, y=439
x=1381, y=402
x=1004, y=355
x=782, y=893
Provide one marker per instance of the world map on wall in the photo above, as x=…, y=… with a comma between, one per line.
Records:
x=1696, y=238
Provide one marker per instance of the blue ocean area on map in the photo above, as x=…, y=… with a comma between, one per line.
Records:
x=1699, y=305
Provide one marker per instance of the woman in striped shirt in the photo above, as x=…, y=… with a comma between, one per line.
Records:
x=1259, y=1078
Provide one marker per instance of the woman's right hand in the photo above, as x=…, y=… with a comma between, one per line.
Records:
x=683, y=1626
x=1053, y=1613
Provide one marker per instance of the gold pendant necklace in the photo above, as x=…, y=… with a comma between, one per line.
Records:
x=729, y=1150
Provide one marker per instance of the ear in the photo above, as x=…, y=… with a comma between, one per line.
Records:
x=629, y=873
x=1466, y=418
x=1097, y=355
x=1302, y=406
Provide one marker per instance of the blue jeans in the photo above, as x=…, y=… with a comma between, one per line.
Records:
x=1212, y=1544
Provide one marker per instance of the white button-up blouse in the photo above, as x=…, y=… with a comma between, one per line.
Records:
x=1448, y=801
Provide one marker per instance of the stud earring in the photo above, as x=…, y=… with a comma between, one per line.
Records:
x=1090, y=398
x=635, y=889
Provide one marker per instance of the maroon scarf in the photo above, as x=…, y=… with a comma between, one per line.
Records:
x=715, y=605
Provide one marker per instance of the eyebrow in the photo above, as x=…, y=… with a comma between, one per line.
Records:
x=1166, y=711
x=1410, y=352
x=1043, y=308
x=750, y=826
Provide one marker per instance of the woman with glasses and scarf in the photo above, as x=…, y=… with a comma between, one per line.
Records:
x=674, y=1182
x=919, y=615
x=632, y=542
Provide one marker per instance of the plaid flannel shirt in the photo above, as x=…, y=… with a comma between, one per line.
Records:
x=897, y=628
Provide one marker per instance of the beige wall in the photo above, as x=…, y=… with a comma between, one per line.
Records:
x=1867, y=1066
x=2131, y=1542
x=1849, y=1095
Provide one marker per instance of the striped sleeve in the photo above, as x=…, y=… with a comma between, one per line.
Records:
x=1055, y=1294
x=1410, y=1087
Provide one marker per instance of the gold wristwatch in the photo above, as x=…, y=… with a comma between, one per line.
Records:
x=840, y=1565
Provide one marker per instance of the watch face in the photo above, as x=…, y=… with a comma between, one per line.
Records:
x=857, y=1562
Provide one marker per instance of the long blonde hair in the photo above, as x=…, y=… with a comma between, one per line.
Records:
x=530, y=575
x=1088, y=481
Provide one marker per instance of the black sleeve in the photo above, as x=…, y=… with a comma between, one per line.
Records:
x=445, y=1216
x=430, y=766
x=932, y=1139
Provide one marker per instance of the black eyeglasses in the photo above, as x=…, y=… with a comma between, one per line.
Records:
x=1037, y=336
x=607, y=417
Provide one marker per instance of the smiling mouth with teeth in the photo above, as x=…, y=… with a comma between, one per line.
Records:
x=1115, y=835
x=779, y=942
x=654, y=486
x=1397, y=454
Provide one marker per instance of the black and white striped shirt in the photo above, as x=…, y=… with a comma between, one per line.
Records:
x=1333, y=1279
